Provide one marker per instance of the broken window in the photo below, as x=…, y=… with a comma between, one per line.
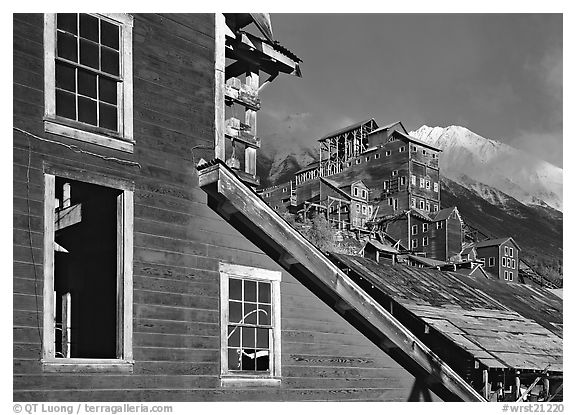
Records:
x=250, y=321
x=88, y=269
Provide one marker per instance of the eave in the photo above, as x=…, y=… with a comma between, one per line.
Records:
x=251, y=216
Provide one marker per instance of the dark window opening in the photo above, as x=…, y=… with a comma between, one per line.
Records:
x=85, y=270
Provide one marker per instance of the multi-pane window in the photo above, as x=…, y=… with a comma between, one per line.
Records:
x=421, y=204
x=87, y=69
x=414, y=243
x=427, y=184
x=425, y=241
x=413, y=202
x=413, y=180
x=88, y=79
x=414, y=229
x=511, y=251
x=439, y=225
x=436, y=186
x=505, y=251
x=394, y=173
x=421, y=182
x=424, y=227
x=250, y=321
x=503, y=262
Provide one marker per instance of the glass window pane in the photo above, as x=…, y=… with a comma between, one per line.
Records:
x=235, y=311
x=235, y=289
x=89, y=27
x=65, y=104
x=67, y=22
x=262, y=338
x=250, y=290
x=248, y=337
x=264, y=292
x=263, y=360
x=107, y=90
x=86, y=83
x=234, y=359
x=108, y=116
x=109, y=35
x=110, y=61
x=248, y=359
x=65, y=77
x=233, y=336
x=66, y=47
x=87, y=110
x=89, y=54
x=249, y=313
x=264, y=315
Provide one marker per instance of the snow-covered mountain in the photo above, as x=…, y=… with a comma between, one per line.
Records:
x=472, y=160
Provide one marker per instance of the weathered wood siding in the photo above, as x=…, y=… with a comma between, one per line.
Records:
x=178, y=244
x=454, y=235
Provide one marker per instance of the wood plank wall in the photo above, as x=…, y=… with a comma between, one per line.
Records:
x=178, y=243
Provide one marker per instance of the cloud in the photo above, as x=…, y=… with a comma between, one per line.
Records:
x=546, y=146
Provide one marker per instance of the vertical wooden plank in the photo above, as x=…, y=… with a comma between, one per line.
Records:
x=219, y=86
x=120, y=276
x=252, y=81
x=66, y=324
x=277, y=307
x=49, y=64
x=66, y=195
x=546, y=386
x=48, y=291
x=126, y=123
x=128, y=253
x=224, y=316
x=517, y=385
x=486, y=384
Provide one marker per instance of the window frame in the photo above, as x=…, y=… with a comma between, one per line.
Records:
x=402, y=149
x=491, y=261
x=413, y=179
x=414, y=244
x=414, y=229
x=124, y=323
x=424, y=227
x=425, y=241
x=504, y=261
x=227, y=271
x=123, y=139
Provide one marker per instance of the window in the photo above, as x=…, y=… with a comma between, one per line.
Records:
x=465, y=257
x=363, y=194
x=368, y=158
x=436, y=186
x=403, y=181
x=413, y=179
x=511, y=251
x=414, y=229
x=435, y=208
x=358, y=161
x=434, y=155
x=482, y=261
x=250, y=322
x=358, y=207
x=388, y=152
x=355, y=191
x=370, y=210
x=424, y=227
x=505, y=251
x=364, y=209
x=508, y=262
x=421, y=182
x=425, y=241
x=491, y=261
x=423, y=152
x=385, y=184
x=87, y=273
x=414, y=243
x=421, y=204
x=439, y=225
x=395, y=204
x=503, y=261
x=402, y=149
x=394, y=173
x=390, y=201
x=427, y=184
x=506, y=275
x=427, y=206
x=88, y=78
x=377, y=156
x=414, y=148
x=413, y=202
x=513, y=264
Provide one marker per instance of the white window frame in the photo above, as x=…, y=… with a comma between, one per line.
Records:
x=421, y=205
x=377, y=156
x=402, y=149
x=413, y=179
x=506, y=275
x=388, y=153
x=425, y=241
x=124, y=139
x=505, y=251
x=414, y=229
x=403, y=181
x=358, y=161
x=511, y=251
x=503, y=261
x=513, y=263
x=394, y=173
x=414, y=243
x=427, y=184
x=439, y=225
x=355, y=191
x=227, y=377
x=413, y=202
x=124, y=361
x=424, y=227
x=435, y=208
x=421, y=182
x=436, y=187
x=423, y=152
x=491, y=261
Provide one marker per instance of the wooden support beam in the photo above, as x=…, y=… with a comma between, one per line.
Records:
x=485, y=382
x=546, y=386
x=265, y=228
x=517, y=385
x=67, y=216
x=66, y=324
x=527, y=391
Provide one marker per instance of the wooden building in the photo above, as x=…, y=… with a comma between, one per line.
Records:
x=140, y=277
x=493, y=334
x=500, y=257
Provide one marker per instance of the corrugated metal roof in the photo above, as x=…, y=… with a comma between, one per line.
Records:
x=348, y=128
x=488, y=328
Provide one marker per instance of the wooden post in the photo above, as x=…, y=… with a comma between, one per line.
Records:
x=546, y=387
x=252, y=82
x=486, y=384
x=517, y=385
x=219, y=86
x=66, y=195
x=66, y=324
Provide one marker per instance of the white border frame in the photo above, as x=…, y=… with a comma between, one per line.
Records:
x=74, y=129
x=257, y=274
x=124, y=361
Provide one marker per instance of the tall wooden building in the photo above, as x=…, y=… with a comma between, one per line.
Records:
x=138, y=277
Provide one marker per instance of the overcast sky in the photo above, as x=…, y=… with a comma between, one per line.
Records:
x=499, y=75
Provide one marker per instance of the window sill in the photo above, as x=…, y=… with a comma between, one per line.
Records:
x=87, y=366
x=242, y=382
x=60, y=128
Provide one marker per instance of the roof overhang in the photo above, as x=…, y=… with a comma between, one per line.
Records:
x=251, y=216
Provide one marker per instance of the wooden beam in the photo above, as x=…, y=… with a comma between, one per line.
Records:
x=67, y=216
x=66, y=324
x=259, y=223
x=527, y=391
